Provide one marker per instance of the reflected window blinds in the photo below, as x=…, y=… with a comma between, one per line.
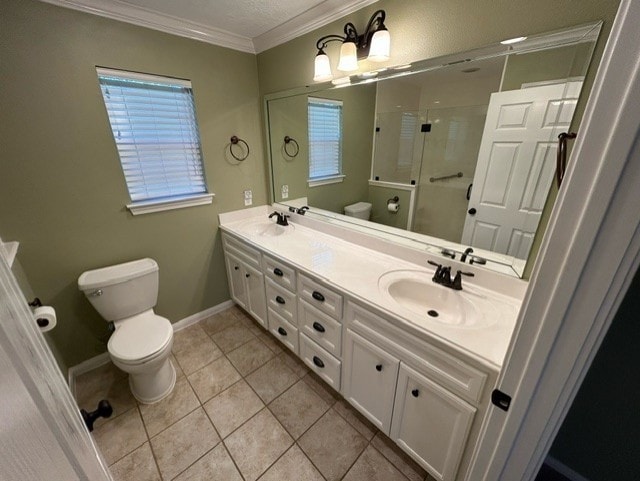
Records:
x=325, y=138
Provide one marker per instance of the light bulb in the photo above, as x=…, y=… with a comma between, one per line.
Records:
x=322, y=70
x=380, y=46
x=348, y=57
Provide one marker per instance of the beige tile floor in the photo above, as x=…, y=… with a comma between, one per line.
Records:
x=243, y=408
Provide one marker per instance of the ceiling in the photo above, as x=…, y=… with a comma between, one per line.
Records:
x=247, y=25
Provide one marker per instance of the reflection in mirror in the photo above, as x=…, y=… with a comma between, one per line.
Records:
x=458, y=152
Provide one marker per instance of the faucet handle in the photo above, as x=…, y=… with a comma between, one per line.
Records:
x=434, y=263
x=457, y=281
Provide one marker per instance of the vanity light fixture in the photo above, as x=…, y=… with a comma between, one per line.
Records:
x=513, y=40
x=374, y=44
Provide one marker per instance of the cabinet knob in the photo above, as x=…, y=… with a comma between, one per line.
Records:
x=317, y=296
x=278, y=272
x=318, y=327
x=282, y=332
x=280, y=300
x=236, y=268
x=318, y=362
x=378, y=367
x=247, y=275
x=415, y=393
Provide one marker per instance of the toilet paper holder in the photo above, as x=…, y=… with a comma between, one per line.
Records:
x=393, y=200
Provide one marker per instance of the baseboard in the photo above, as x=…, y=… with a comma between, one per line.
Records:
x=101, y=359
x=202, y=315
x=563, y=469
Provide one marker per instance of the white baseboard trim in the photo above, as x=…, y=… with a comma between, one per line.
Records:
x=202, y=315
x=563, y=469
x=101, y=359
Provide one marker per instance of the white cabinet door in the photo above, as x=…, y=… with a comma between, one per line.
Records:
x=430, y=423
x=257, y=300
x=370, y=379
x=235, y=273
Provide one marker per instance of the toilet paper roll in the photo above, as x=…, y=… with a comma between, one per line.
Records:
x=45, y=317
x=393, y=207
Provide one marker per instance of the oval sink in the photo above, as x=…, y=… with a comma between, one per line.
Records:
x=415, y=292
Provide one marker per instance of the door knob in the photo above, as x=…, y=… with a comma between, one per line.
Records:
x=472, y=211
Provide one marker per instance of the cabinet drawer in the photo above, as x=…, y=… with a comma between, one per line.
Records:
x=444, y=368
x=282, y=301
x=323, y=364
x=280, y=273
x=283, y=331
x=320, y=296
x=248, y=254
x=320, y=327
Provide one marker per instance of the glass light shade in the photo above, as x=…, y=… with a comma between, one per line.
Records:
x=348, y=57
x=322, y=71
x=380, y=46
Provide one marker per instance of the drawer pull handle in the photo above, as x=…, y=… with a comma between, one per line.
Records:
x=236, y=268
x=280, y=300
x=318, y=362
x=318, y=327
x=317, y=296
x=278, y=272
x=281, y=331
x=415, y=393
x=378, y=367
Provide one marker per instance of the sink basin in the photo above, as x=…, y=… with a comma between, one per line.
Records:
x=414, y=293
x=268, y=228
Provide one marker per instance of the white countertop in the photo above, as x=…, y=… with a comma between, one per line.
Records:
x=357, y=270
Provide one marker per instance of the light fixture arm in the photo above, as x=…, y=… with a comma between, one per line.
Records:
x=323, y=41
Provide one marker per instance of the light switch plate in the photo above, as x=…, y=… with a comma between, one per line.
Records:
x=284, y=191
x=248, y=197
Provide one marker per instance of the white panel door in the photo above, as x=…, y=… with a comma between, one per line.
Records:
x=235, y=273
x=430, y=423
x=257, y=299
x=42, y=435
x=516, y=166
x=370, y=380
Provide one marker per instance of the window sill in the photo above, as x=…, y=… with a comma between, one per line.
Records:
x=147, y=207
x=334, y=179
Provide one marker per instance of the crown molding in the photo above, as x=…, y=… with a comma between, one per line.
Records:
x=143, y=17
x=316, y=17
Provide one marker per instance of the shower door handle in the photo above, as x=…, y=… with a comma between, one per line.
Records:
x=561, y=156
x=469, y=191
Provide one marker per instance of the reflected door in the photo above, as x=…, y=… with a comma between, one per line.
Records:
x=516, y=165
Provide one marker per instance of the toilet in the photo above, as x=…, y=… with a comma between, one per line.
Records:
x=141, y=343
x=359, y=210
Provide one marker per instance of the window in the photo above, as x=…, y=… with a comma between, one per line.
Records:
x=325, y=141
x=408, y=127
x=154, y=126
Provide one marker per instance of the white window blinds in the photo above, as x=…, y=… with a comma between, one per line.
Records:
x=154, y=125
x=325, y=138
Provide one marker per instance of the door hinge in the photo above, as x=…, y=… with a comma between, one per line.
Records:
x=500, y=399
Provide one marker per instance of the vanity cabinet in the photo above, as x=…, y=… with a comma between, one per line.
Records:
x=425, y=396
x=246, y=283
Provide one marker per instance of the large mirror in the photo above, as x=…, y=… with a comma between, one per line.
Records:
x=453, y=154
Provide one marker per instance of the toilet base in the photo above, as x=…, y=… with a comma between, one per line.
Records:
x=153, y=387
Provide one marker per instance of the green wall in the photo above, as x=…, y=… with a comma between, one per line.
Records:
x=62, y=191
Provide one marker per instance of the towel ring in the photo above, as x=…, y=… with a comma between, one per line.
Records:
x=287, y=141
x=235, y=141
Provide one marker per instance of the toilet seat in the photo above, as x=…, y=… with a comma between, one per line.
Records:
x=140, y=338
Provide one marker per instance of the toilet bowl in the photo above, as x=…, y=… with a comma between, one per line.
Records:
x=359, y=210
x=141, y=342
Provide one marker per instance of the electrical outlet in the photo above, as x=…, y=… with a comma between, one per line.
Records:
x=284, y=190
x=248, y=197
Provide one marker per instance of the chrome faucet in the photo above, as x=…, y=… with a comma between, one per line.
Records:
x=281, y=218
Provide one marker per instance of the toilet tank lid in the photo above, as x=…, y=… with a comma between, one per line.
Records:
x=358, y=207
x=107, y=276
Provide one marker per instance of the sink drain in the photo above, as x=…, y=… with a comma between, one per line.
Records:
x=433, y=313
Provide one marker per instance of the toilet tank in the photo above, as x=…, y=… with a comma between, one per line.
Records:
x=123, y=290
x=360, y=210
